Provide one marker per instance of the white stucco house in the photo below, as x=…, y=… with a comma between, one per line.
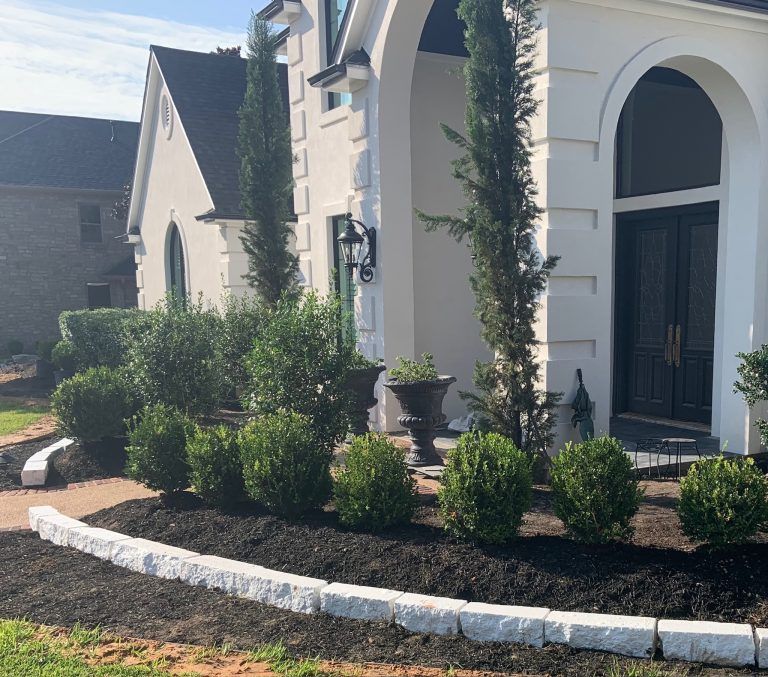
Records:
x=651, y=145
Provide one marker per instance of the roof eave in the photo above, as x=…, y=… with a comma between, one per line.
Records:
x=281, y=11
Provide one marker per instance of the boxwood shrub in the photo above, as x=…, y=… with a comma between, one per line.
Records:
x=98, y=338
x=157, y=449
x=93, y=405
x=216, y=471
x=285, y=467
x=595, y=490
x=375, y=490
x=723, y=502
x=242, y=319
x=485, y=489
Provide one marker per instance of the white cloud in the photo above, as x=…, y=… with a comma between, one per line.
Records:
x=55, y=59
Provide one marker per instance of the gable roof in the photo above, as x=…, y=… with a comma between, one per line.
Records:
x=207, y=91
x=61, y=151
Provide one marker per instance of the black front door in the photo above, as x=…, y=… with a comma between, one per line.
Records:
x=666, y=277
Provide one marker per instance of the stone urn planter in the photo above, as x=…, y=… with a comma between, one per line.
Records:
x=362, y=383
x=421, y=403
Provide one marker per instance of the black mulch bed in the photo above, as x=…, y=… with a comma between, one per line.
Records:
x=58, y=586
x=73, y=465
x=10, y=473
x=547, y=571
x=76, y=464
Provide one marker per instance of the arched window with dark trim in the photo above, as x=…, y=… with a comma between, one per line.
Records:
x=669, y=137
x=176, y=264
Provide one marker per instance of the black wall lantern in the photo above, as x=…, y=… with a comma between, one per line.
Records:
x=351, y=244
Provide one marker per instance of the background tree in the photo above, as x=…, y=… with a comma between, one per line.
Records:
x=501, y=216
x=266, y=177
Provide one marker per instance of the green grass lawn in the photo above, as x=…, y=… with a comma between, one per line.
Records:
x=15, y=415
x=28, y=650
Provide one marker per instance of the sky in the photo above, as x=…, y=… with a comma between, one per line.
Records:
x=80, y=57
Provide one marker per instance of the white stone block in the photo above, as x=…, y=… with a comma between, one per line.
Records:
x=761, y=644
x=422, y=613
x=731, y=644
x=147, y=557
x=55, y=528
x=286, y=591
x=498, y=623
x=38, y=511
x=359, y=602
x=627, y=635
x=227, y=575
x=34, y=473
x=94, y=541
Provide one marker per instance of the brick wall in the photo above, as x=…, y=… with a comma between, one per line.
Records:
x=44, y=267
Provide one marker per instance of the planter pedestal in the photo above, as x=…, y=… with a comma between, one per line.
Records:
x=422, y=406
x=362, y=383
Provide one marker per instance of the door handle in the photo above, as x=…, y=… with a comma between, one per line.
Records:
x=669, y=345
x=678, y=345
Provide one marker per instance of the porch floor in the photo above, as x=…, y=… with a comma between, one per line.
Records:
x=628, y=429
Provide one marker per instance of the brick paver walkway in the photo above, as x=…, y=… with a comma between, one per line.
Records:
x=75, y=502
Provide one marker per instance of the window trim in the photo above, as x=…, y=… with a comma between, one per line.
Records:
x=81, y=223
x=334, y=99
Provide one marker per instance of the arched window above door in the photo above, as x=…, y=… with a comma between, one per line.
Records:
x=177, y=272
x=669, y=136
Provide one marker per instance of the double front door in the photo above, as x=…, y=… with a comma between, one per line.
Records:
x=666, y=274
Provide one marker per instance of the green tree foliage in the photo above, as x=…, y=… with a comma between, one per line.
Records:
x=266, y=174
x=485, y=489
x=174, y=356
x=723, y=502
x=501, y=216
x=375, y=490
x=299, y=364
x=753, y=382
x=595, y=489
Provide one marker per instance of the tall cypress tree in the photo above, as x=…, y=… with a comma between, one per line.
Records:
x=266, y=176
x=501, y=216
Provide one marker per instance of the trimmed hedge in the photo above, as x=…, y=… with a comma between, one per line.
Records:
x=375, y=490
x=595, y=490
x=285, y=467
x=216, y=470
x=485, y=489
x=723, y=502
x=157, y=450
x=98, y=337
x=93, y=405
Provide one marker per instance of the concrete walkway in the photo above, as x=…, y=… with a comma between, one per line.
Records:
x=73, y=502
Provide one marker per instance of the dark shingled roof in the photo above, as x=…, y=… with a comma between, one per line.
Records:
x=207, y=91
x=66, y=152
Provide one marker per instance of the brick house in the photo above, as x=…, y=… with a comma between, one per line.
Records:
x=60, y=177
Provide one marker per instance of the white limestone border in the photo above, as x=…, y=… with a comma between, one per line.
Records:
x=37, y=467
x=727, y=644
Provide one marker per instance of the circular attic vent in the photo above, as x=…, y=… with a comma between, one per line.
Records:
x=166, y=115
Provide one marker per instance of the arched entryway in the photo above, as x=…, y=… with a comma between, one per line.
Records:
x=731, y=209
x=669, y=153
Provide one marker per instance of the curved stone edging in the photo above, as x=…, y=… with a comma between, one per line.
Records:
x=727, y=644
x=35, y=471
